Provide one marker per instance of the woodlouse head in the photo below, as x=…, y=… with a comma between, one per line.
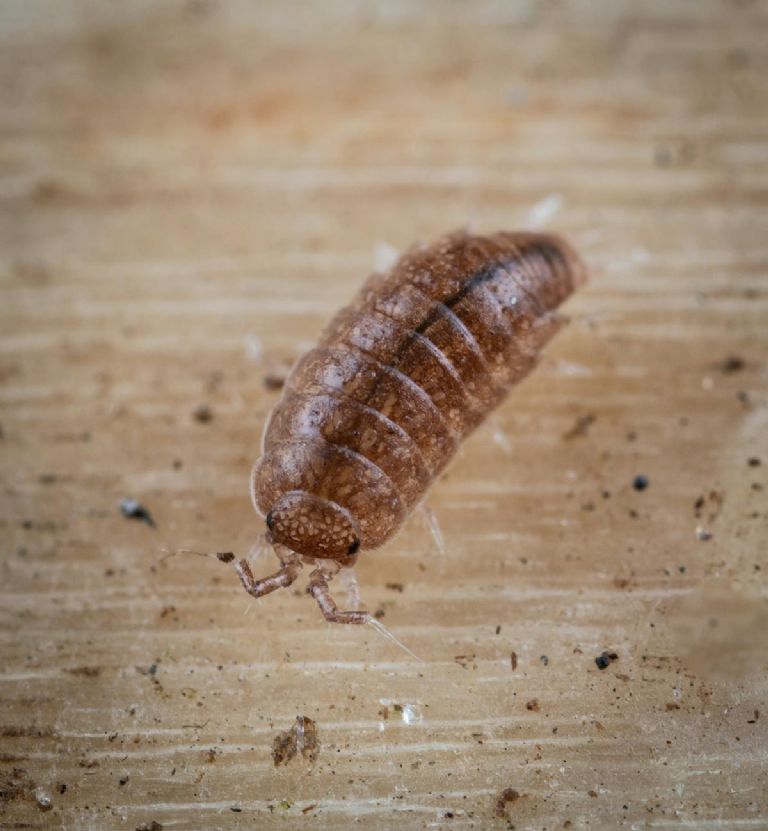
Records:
x=313, y=526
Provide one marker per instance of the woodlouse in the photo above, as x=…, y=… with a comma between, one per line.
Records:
x=372, y=414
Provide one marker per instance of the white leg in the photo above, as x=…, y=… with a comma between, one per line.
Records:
x=434, y=527
x=349, y=584
x=258, y=551
x=544, y=211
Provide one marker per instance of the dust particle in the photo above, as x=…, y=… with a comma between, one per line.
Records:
x=273, y=382
x=731, y=364
x=605, y=659
x=202, y=414
x=580, y=427
x=640, y=482
x=133, y=509
x=43, y=799
x=86, y=672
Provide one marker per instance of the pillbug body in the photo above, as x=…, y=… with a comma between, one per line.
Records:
x=400, y=377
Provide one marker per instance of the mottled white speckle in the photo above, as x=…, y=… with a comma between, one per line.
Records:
x=384, y=256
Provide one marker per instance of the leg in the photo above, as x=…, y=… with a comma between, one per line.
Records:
x=434, y=527
x=318, y=588
x=258, y=551
x=349, y=585
x=284, y=576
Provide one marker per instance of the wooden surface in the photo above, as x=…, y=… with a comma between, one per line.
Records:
x=182, y=183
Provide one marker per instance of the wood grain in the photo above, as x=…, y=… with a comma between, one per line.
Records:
x=183, y=182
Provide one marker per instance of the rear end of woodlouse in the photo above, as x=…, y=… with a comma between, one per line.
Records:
x=399, y=378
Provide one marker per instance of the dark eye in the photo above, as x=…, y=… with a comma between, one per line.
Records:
x=270, y=521
x=354, y=547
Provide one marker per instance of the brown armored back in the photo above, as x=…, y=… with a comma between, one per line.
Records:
x=400, y=377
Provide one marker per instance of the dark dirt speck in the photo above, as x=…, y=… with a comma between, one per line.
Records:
x=505, y=798
x=580, y=427
x=202, y=414
x=731, y=364
x=605, y=659
x=273, y=382
x=133, y=509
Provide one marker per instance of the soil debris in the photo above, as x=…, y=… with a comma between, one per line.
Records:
x=580, y=427
x=731, y=364
x=273, y=381
x=14, y=785
x=85, y=672
x=202, y=414
x=711, y=503
x=301, y=738
x=506, y=797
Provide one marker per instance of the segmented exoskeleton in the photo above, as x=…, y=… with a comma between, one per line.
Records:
x=400, y=377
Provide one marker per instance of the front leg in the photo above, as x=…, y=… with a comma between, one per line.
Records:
x=287, y=574
x=318, y=588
